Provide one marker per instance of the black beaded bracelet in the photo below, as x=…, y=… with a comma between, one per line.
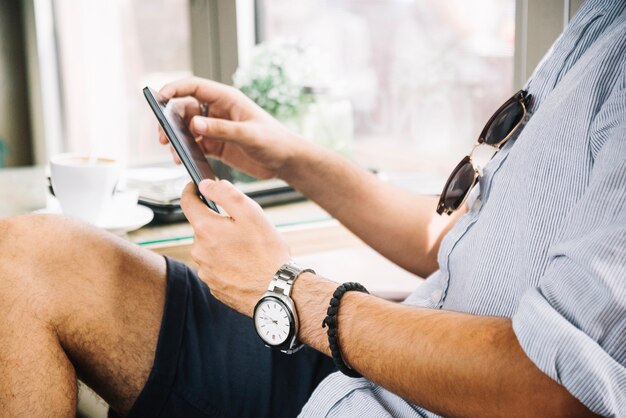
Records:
x=331, y=322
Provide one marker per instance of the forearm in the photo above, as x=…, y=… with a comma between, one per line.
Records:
x=400, y=225
x=451, y=363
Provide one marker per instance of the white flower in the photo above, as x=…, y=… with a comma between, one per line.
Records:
x=276, y=74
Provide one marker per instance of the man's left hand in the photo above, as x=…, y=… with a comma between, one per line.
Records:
x=238, y=254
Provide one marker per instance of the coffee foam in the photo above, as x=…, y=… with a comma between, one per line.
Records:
x=83, y=161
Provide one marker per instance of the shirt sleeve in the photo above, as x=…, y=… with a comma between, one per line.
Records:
x=573, y=324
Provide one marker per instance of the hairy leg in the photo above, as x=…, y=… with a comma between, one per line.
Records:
x=74, y=301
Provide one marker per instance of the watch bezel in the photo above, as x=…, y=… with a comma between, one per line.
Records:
x=292, y=316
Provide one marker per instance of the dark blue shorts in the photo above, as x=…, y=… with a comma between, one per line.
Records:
x=210, y=363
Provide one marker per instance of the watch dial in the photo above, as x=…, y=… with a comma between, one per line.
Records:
x=272, y=322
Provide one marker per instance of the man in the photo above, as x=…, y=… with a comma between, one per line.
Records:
x=523, y=314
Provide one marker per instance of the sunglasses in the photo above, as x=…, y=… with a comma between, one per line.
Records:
x=498, y=130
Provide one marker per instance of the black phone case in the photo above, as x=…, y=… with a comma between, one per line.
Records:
x=187, y=161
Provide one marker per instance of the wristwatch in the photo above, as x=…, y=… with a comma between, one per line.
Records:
x=275, y=317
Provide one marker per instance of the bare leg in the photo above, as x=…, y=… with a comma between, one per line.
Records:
x=74, y=301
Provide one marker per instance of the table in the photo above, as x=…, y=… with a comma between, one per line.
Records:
x=315, y=238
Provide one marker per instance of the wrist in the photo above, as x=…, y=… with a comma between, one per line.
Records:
x=298, y=159
x=332, y=323
x=311, y=294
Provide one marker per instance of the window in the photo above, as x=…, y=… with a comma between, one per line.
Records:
x=107, y=52
x=423, y=76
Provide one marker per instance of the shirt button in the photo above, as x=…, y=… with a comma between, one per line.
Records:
x=436, y=295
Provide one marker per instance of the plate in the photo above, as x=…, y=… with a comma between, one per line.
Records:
x=115, y=221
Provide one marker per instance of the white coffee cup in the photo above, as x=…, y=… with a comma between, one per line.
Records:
x=84, y=186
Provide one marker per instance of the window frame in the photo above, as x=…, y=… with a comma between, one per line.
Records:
x=230, y=26
x=231, y=30
x=552, y=16
x=44, y=89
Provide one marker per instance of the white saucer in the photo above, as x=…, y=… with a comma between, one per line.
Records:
x=115, y=221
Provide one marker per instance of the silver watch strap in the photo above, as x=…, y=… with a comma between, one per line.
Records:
x=284, y=278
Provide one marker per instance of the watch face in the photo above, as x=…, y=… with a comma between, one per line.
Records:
x=272, y=320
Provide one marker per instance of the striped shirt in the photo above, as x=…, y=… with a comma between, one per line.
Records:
x=544, y=242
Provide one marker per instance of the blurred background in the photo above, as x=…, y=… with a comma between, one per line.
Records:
x=398, y=85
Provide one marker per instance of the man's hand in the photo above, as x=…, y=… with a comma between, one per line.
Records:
x=237, y=254
x=401, y=226
x=235, y=130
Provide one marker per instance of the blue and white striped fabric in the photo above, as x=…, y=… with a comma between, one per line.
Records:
x=545, y=242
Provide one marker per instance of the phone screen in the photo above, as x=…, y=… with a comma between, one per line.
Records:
x=177, y=131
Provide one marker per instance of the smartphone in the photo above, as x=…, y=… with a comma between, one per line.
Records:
x=185, y=145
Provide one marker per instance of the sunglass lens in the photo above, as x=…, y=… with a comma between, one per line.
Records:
x=460, y=183
x=504, y=123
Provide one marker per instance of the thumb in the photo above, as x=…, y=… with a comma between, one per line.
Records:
x=221, y=129
x=238, y=205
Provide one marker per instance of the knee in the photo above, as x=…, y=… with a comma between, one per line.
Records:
x=33, y=245
x=56, y=251
x=36, y=255
x=23, y=239
x=18, y=246
x=29, y=235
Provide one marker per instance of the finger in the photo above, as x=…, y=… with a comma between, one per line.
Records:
x=211, y=147
x=187, y=108
x=238, y=205
x=196, y=211
x=204, y=90
x=162, y=137
x=191, y=110
x=175, y=155
x=222, y=129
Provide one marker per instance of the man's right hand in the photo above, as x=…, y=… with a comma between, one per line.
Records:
x=235, y=130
